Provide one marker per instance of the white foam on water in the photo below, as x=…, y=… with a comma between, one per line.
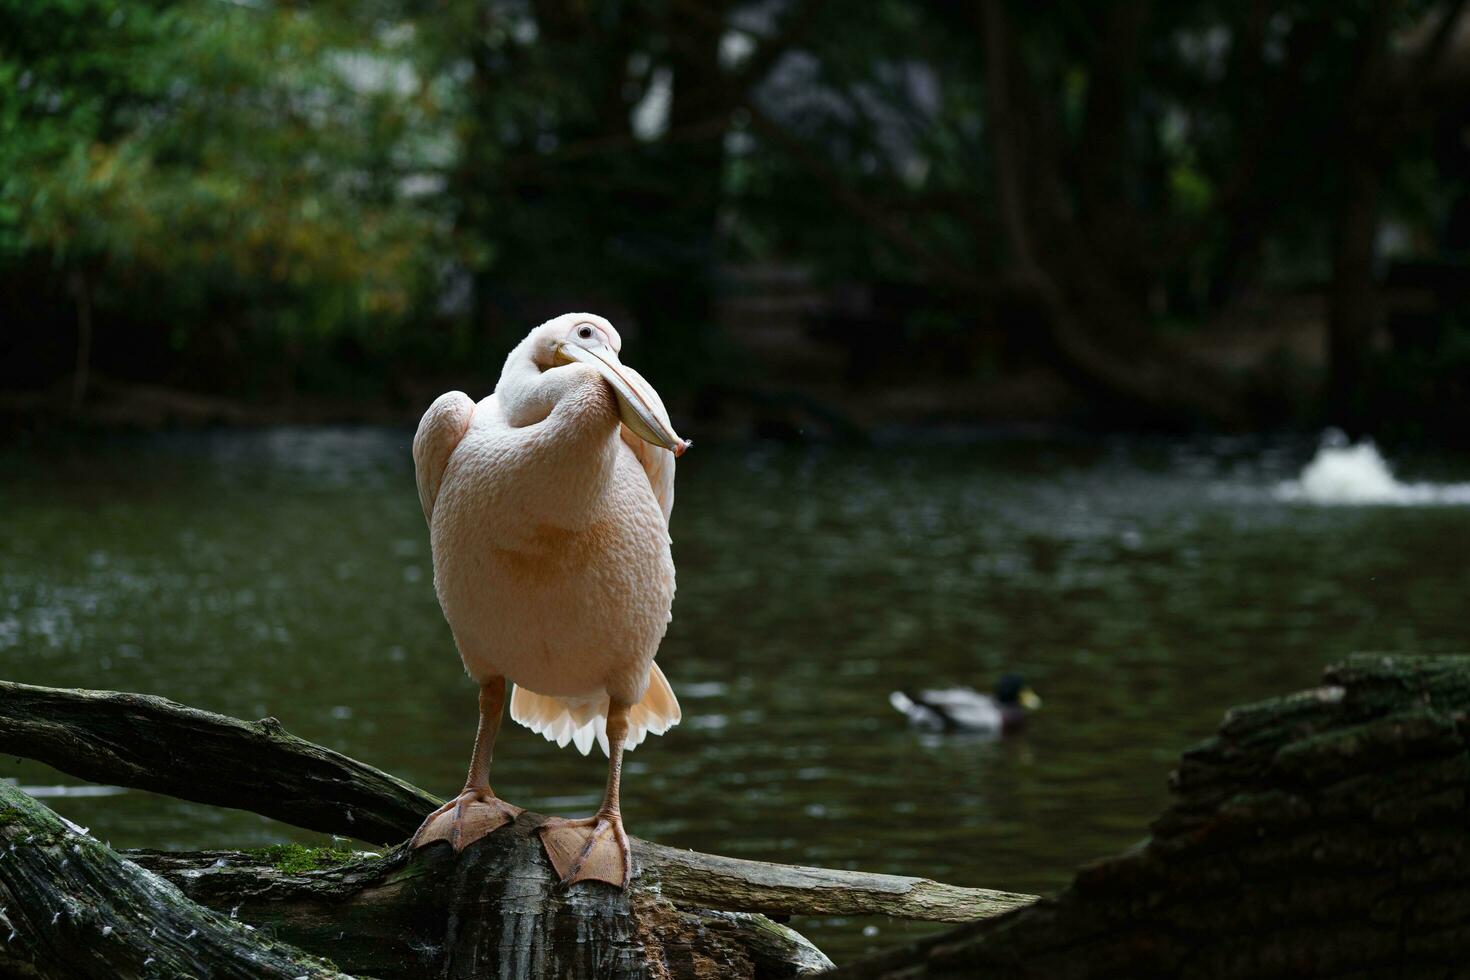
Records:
x=1344, y=474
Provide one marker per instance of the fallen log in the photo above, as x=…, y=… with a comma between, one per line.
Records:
x=403, y=928
x=495, y=908
x=70, y=907
x=155, y=744
x=1322, y=834
x=708, y=881
x=152, y=743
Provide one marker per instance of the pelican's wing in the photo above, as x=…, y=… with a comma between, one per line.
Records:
x=658, y=462
x=440, y=430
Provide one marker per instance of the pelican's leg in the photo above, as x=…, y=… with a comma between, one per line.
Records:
x=596, y=848
x=476, y=811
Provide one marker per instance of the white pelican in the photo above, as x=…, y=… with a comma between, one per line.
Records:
x=548, y=506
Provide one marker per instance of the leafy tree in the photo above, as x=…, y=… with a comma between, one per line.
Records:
x=213, y=160
x=266, y=187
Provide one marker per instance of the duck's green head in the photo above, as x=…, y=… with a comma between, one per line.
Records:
x=1013, y=689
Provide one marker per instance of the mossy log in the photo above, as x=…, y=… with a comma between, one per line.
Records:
x=1323, y=834
x=495, y=909
x=71, y=907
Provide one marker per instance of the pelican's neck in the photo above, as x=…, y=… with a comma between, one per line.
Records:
x=573, y=423
x=523, y=392
x=576, y=393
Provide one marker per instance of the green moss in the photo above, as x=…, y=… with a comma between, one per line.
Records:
x=298, y=858
x=8, y=814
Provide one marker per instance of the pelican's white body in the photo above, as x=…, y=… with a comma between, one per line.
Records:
x=551, y=554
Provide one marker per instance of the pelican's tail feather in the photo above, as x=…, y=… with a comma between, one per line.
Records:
x=582, y=721
x=655, y=714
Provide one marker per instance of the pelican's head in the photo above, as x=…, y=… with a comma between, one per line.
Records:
x=586, y=338
x=586, y=330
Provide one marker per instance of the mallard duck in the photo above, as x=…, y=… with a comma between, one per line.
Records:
x=548, y=508
x=963, y=709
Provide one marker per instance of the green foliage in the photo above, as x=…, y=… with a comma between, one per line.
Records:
x=317, y=191
x=298, y=858
x=209, y=155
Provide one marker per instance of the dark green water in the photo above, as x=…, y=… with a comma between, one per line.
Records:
x=1142, y=588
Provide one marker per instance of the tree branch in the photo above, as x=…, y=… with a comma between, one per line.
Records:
x=1010, y=194
x=697, y=880
x=153, y=743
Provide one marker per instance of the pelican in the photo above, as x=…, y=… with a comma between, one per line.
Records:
x=548, y=509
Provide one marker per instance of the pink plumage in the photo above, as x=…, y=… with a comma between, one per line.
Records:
x=548, y=506
x=549, y=524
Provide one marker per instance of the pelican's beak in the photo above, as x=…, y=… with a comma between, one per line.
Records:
x=638, y=404
x=1029, y=700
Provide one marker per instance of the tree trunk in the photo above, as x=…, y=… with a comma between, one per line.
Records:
x=1321, y=834
x=1352, y=311
x=81, y=292
x=1054, y=272
x=672, y=287
x=1396, y=71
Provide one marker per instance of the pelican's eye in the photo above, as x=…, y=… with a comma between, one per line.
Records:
x=584, y=332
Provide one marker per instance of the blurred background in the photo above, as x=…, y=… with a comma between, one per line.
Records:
x=1006, y=332
x=1228, y=216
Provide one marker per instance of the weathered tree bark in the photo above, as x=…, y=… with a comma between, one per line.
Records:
x=496, y=910
x=1323, y=834
x=70, y=907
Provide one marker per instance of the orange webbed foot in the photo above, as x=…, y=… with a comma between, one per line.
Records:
x=591, y=849
x=465, y=819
